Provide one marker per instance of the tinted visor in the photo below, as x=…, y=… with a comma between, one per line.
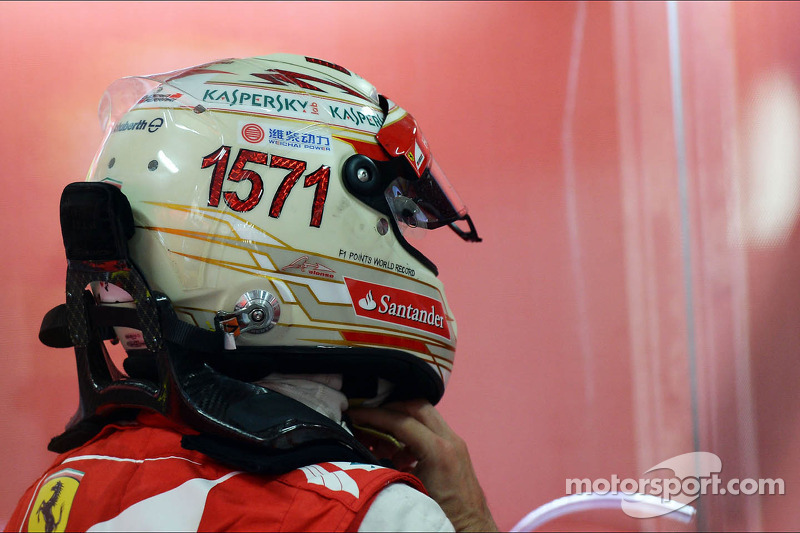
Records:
x=423, y=197
x=423, y=202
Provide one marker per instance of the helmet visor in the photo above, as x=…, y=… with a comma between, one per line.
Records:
x=422, y=197
x=426, y=202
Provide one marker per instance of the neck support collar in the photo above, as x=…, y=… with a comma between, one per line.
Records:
x=242, y=424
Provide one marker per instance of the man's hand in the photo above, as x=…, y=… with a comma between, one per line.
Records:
x=435, y=454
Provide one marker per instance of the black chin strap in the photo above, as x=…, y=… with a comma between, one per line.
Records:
x=54, y=331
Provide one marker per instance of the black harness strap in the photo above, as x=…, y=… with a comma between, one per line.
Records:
x=54, y=331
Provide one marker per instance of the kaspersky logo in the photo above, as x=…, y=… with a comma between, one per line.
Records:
x=397, y=306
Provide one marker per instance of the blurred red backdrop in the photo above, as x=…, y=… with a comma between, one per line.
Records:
x=631, y=167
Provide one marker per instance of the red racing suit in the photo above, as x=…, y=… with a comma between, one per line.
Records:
x=135, y=476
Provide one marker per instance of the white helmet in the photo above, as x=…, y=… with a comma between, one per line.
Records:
x=269, y=198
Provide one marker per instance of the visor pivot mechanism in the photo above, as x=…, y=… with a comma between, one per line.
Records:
x=256, y=312
x=361, y=175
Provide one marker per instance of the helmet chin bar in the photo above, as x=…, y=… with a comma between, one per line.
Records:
x=243, y=424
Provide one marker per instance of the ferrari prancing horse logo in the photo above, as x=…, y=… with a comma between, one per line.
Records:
x=50, y=509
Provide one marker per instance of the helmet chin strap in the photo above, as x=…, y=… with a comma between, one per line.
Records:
x=242, y=424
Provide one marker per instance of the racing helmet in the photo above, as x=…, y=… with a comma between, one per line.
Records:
x=270, y=198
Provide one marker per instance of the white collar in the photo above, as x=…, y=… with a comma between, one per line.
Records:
x=321, y=392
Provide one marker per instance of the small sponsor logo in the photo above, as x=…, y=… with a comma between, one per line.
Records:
x=142, y=125
x=334, y=477
x=420, y=156
x=133, y=340
x=315, y=269
x=158, y=97
x=397, y=306
x=253, y=133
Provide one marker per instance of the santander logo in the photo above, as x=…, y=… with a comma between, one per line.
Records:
x=367, y=303
x=397, y=306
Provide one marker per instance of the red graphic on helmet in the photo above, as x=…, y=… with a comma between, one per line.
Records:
x=404, y=138
x=397, y=306
x=328, y=64
x=305, y=81
x=304, y=265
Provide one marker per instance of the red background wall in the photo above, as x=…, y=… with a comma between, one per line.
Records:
x=635, y=296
